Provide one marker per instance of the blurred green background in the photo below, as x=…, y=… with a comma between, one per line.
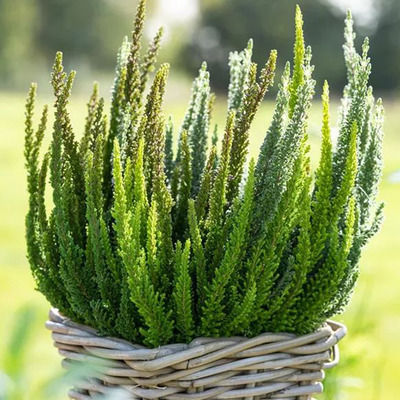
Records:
x=89, y=32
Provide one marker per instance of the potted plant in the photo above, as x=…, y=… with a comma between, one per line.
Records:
x=192, y=275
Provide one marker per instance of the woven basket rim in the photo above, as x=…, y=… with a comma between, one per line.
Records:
x=276, y=365
x=339, y=331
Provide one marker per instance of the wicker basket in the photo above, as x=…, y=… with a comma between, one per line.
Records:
x=269, y=366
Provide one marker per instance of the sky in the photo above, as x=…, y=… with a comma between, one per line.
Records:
x=173, y=12
x=364, y=10
x=178, y=10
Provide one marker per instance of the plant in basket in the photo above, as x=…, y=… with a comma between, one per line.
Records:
x=185, y=270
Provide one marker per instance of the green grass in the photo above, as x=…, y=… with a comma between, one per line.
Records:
x=371, y=351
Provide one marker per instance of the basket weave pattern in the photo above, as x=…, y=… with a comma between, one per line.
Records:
x=269, y=366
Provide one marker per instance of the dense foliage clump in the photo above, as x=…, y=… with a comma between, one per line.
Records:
x=157, y=243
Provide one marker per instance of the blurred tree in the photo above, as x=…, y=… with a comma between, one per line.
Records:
x=226, y=25
x=89, y=30
x=385, y=46
x=17, y=27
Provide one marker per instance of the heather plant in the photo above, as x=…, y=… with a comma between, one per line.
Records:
x=158, y=242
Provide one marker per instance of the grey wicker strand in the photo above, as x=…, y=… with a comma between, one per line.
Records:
x=269, y=366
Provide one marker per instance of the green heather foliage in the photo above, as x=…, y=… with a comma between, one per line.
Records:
x=158, y=241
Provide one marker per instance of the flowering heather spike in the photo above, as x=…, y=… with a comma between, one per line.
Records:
x=202, y=198
x=56, y=160
x=214, y=139
x=217, y=200
x=132, y=66
x=129, y=182
x=326, y=282
x=196, y=123
x=127, y=248
x=175, y=182
x=91, y=113
x=156, y=250
x=280, y=167
x=356, y=97
x=366, y=128
x=164, y=201
x=199, y=259
x=185, y=186
x=323, y=186
x=37, y=236
x=150, y=58
x=252, y=98
x=140, y=202
x=369, y=213
x=211, y=103
x=349, y=175
x=120, y=209
x=289, y=286
x=104, y=277
x=198, y=132
x=269, y=253
x=41, y=197
x=299, y=53
x=350, y=54
x=118, y=90
x=118, y=104
x=239, y=318
x=214, y=142
x=213, y=312
x=371, y=167
x=239, y=64
x=190, y=112
x=169, y=152
x=152, y=243
x=196, y=91
x=151, y=307
x=75, y=273
x=350, y=275
x=275, y=130
x=139, y=178
x=182, y=295
x=31, y=163
x=154, y=140
x=67, y=180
